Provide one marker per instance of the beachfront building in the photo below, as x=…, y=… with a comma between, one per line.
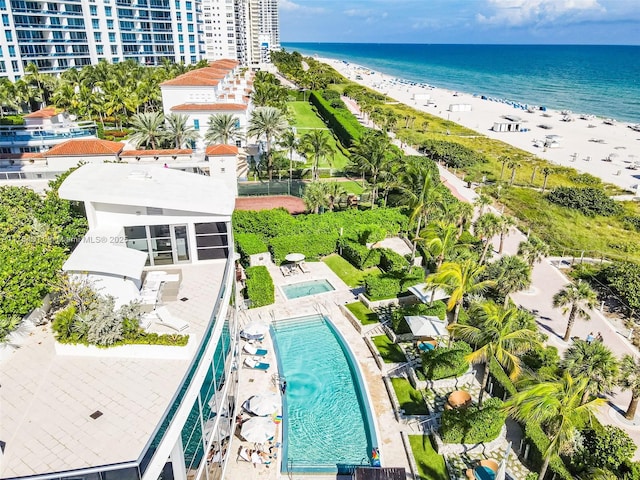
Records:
x=134, y=411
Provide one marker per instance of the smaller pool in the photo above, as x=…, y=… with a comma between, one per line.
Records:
x=304, y=289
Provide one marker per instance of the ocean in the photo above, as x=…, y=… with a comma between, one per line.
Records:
x=598, y=80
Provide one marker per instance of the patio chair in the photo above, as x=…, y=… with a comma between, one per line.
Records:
x=253, y=350
x=168, y=320
x=303, y=267
x=256, y=364
x=286, y=271
x=251, y=338
x=244, y=454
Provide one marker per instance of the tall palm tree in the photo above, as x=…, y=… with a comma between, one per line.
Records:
x=441, y=240
x=148, y=129
x=485, y=227
x=334, y=191
x=496, y=334
x=290, y=142
x=269, y=122
x=546, y=172
x=223, y=128
x=511, y=274
x=574, y=298
x=7, y=96
x=482, y=201
x=557, y=405
x=533, y=250
x=372, y=153
x=316, y=143
x=513, y=165
x=503, y=228
x=595, y=363
x=459, y=279
x=315, y=196
x=504, y=161
x=178, y=129
x=630, y=380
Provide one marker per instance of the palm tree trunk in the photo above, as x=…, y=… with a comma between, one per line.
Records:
x=485, y=250
x=502, y=234
x=572, y=319
x=543, y=469
x=585, y=396
x=485, y=380
x=631, y=410
x=506, y=301
x=544, y=184
x=415, y=241
x=456, y=311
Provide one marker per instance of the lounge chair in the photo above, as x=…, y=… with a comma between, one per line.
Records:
x=251, y=338
x=256, y=364
x=253, y=350
x=168, y=320
x=304, y=268
x=286, y=271
x=244, y=454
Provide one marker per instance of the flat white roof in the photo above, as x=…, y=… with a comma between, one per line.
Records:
x=148, y=186
x=424, y=326
x=424, y=293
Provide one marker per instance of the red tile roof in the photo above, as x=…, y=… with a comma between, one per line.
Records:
x=46, y=112
x=204, y=77
x=208, y=107
x=226, y=62
x=72, y=148
x=157, y=153
x=221, y=149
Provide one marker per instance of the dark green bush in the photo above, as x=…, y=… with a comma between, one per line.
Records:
x=343, y=123
x=391, y=261
x=606, y=447
x=589, y=201
x=413, y=277
x=260, y=289
x=12, y=120
x=632, y=222
x=471, y=425
x=399, y=324
x=624, y=278
x=453, y=154
x=446, y=362
x=379, y=288
x=359, y=255
x=502, y=384
x=541, y=357
x=329, y=95
x=370, y=234
x=312, y=246
x=538, y=442
x=250, y=244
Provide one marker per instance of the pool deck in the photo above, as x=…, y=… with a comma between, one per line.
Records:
x=252, y=381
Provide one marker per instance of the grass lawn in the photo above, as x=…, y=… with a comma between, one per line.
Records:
x=430, y=465
x=390, y=352
x=347, y=272
x=304, y=119
x=351, y=186
x=362, y=313
x=409, y=398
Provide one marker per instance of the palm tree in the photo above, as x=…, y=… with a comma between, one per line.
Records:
x=334, y=190
x=513, y=165
x=316, y=143
x=557, y=405
x=505, y=224
x=593, y=362
x=503, y=161
x=178, y=129
x=269, y=122
x=486, y=227
x=441, y=240
x=148, y=128
x=315, y=196
x=223, y=128
x=573, y=298
x=546, y=171
x=459, y=279
x=630, y=380
x=511, y=274
x=371, y=153
x=481, y=202
x=290, y=142
x=496, y=334
x=533, y=250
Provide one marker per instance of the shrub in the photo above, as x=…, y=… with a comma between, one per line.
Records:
x=446, y=362
x=370, y=234
x=539, y=442
x=541, y=357
x=413, y=277
x=399, y=324
x=585, y=179
x=391, y=261
x=12, y=120
x=381, y=287
x=312, y=246
x=250, y=244
x=471, y=425
x=608, y=447
x=360, y=256
x=453, y=154
x=260, y=289
x=624, y=278
x=343, y=123
x=589, y=201
x=62, y=324
x=502, y=386
x=632, y=222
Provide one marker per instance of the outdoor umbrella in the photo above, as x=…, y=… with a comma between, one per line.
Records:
x=258, y=429
x=222, y=431
x=264, y=404
x=255, y=329
x=294, y=257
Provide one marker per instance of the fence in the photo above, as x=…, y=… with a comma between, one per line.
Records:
x=273, y=187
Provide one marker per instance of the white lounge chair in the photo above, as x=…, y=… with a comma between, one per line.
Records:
x=253, y=350
x=286, y=271
x=304, y=268
x=168, y=320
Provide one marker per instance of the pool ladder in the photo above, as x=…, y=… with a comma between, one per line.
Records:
x=277, y=379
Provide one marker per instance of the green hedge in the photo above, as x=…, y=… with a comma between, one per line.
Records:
x=451, y=153
x=471, y=425
x=539, y=442
x=12, y=120
x=311, y=246
x=391, y=261
x=446, y=362
x=399, y=324
x=250, y=244
x=590, y=201
x=260, y=289
x=343, y=123
x=501, y=382
x=360, y=256
x=390, y=285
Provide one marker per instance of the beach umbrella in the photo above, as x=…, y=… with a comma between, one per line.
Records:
x=258, y=429
x=255, y=329
x=294, y=257
x=222, y=432
x=264, y=404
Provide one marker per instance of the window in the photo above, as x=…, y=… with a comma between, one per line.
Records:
x=5, y=20
x=177, y=4
x=97, y=36
x=178, y=16
x=179, y=27
x=99, y=49
x=14, y=65
x=189, y=17
x=191, y=39
x=110, y=24
x=3, y=68
x=95, y=23
x=107, y=11
x=3, y=5
x=112, y=37
x=189, y=5
x=180, y=38
x=93, y=10
x=12, y=51
x=196, y=124
x=8, y=36
x=114, y=51
x=190, y=27
x=192, y=49
x=181, y=48
x=212, y=240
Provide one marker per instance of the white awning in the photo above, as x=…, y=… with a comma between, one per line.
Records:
x=95, y=254
x=423, y=292
x=423, y=326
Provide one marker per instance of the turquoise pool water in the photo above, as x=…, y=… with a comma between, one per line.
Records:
x=304, y=289
x=327, y=422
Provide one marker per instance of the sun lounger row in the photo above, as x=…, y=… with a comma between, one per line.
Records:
x=287, y=270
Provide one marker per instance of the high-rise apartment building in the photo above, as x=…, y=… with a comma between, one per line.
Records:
x=57, y=35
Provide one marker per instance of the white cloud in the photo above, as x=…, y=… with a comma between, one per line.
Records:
x=290, y=6
x=524, y=12
x=287, y=5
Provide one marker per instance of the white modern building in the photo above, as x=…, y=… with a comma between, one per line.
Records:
x=144, y=412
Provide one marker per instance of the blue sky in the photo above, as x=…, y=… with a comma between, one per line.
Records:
x=461, y=21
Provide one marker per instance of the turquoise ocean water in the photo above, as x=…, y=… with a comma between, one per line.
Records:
x=600, y=80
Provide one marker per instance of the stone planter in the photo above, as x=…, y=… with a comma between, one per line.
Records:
x=159, y=352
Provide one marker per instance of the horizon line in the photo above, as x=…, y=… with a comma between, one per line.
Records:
x=468, y=44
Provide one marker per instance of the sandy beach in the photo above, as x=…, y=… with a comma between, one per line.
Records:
x=608, y=151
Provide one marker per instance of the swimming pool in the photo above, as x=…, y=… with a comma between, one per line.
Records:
x=304, y=289
x=327, y=422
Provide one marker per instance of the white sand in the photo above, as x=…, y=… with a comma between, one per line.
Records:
x=577, y=146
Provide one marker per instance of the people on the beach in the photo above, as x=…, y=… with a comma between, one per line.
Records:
x=590, y=338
